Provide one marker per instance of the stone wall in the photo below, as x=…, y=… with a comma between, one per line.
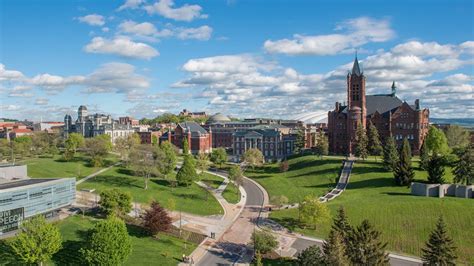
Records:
x=10, y=172
x=442, y=190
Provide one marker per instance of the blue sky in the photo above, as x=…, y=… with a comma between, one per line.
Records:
x=242, y=58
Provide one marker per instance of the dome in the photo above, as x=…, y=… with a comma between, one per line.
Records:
x=218, y=118
x=82, y=107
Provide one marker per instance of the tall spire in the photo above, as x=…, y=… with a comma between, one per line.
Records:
x=355, y=67
x=394, y=88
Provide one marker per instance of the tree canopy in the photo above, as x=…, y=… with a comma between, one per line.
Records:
x=115, y=201
x=253, y=157
x=403, y=172
x=219, y=156
x=187, y=173
x=436, y=142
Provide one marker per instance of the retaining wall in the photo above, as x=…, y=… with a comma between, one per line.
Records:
x=441, y=190
x=10, y=172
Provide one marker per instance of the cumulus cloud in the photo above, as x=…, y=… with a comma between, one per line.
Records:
x=6, y=75
x=356, y=32
x=148, y=31
x=93, y=20
x=202, y=33
x=166, y=9
x=41, y=101
x=121, y=46
x=425, y=49
x=20, y=91
x=130, y=4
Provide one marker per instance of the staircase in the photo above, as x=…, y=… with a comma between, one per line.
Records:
x=341, y=184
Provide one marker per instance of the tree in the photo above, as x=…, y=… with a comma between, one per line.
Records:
x=403, y=172
x=219, y=156
x=464, y=167
x=73, y=142
x=279, y=200
x=300, y=140
x=390, y=155
x=115, y=202
x=424, y=156
x=458, y=137
x=341, y=225
x=37, y=241
x=156, y=219
x=311, y=256
x=235, y=173
x=361, y=142
x=126, y=144
x=313, y=212
x=108, y=243
x=202, y=162
x=154, y=140
x=334, y=250
x=365, y=246
x=22, y=146
x=375, y=146
x=143, y=163
x=439, y=249
x=322, y=147
x=253, y=157
x=169, y=161
x=97, y=148
x=437, y=142
x=284, y=166
x=264, y=241
x=185, y=146
x=186, y=174
x=436, y=169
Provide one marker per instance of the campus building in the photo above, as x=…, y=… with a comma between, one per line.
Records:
x=390, y=115
x=199, y=140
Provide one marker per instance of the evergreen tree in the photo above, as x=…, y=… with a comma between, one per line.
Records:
x=335, y=250
x=390, y=155
x=341, y=225
x=311, y=256
x=439, y=249
x=187, y=172
x=464, y=168
x=375, y=146
x=424, y=156
x=436, y=169
x=404, y=173
x=365, y=246
x=185, y=146
x=362, y=142
x=300, y=141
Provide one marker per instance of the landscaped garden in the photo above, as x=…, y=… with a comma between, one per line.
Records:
x=57, y=167
x=231, y=193
x=193, y=199
x=404, y=220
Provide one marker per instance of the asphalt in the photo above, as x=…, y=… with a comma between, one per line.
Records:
x=228, y=253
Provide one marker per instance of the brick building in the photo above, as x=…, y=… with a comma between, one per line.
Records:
x=390, y=115
x=199, y=140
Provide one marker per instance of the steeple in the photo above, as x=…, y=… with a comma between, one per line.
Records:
x=394, y=88
x=355, y=67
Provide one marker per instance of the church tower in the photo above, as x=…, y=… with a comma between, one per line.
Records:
x=356, y=103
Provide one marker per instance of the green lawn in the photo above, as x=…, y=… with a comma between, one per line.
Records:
x=231, y=193
x=56, y=167
x=307, y=175
x=211, y=180
x=405, y=220
x=192, y=199
x=145, y=250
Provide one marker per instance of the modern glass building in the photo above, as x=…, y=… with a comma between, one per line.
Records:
x=28, y=197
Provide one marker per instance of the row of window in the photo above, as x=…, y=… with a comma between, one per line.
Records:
x=401, y=136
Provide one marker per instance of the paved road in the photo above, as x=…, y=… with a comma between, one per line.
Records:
x=233, y=245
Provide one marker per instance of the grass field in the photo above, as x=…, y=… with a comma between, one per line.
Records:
x=192, y=199
x=56, y=167
x=231, y=193
x=306, y=175
x=404, y=220
x=211, y=180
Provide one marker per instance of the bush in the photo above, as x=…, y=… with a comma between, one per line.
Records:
x=284, y=166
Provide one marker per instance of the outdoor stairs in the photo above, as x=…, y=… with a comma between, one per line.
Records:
x=341, y=184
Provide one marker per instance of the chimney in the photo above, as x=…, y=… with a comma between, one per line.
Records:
x=337, y=106
x=417, y=104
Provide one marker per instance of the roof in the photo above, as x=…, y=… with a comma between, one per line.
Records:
x=21, y=130
x=382, y=103
x=355, y=67
x=82, y=107
x=24, y=182
x=193, y=127
x=258, y=132
x=218, y=118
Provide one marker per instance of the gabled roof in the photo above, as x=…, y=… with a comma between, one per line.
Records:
x=382, y=103
x=193, y=127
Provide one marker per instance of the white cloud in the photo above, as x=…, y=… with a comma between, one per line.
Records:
x=20, y=91
x=53, y=83
x=131, y=4
x=115, y=77
x=202, y=33
x=93, y=20
x=425, y=49
x=105, y=29
x=183, y=13
x=6, y=75
x=467, y=47
x=358, y=31
x=145, y=28
x=122, y=46
x=41, y=101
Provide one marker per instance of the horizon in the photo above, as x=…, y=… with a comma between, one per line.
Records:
x=240, y=58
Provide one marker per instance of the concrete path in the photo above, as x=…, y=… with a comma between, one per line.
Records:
x=96, y=173
x=342, y=182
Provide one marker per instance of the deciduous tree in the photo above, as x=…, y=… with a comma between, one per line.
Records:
x=115, y=202
x=253, y=157
x=440, y=248
x=108, y=243
x=403, y=172
x=143, y=163
x=313, y=212
x=458, y=137
x=390, y=155
x=436, y=142
x=300, y=141
x=73, y=142
x=37, y=241
x=322, y=147
x=264, y=241
x=284, y=166
x=97, y=148
x=219, y=156
x=168, y=163
x=156, y=219
x=202, y=162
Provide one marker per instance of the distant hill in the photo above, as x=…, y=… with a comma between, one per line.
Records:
x=464, y=122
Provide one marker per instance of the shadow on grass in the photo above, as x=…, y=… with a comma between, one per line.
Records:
x=125, y=171
x=288, y=222
x=115, y=181
x=372, y=183
x=397, y=194
x=137, y=231
x=70, y=253
x=332, y=171
x=7, y=255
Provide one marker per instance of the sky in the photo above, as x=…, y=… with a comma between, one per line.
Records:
x=280, y=59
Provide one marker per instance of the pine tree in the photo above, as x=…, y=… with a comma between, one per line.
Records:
x=334, y=250
x=439, y=249
x=185, y=146
x=390, y=155
x=436, y=169
x=341, y=225
x=365, y=246
x=424, y=156
x=404, y=173
x=300, y=141
x=362, y=142
x=311, y=256
x=375, y=146
x=187, y=172
x=464, y=168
